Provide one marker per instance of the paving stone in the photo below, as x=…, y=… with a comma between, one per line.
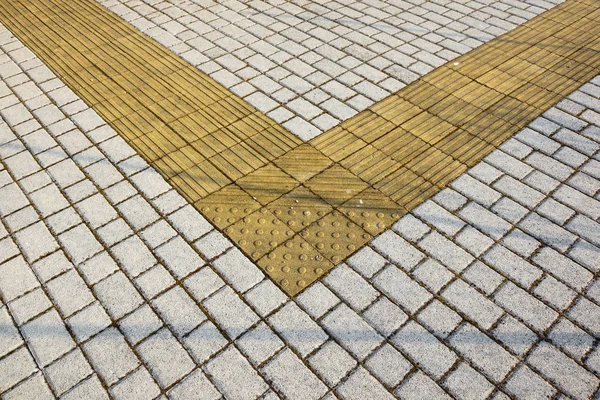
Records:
x=586, y=228
x=65, y=173
x=385, y=316
x=10, y=338
x=190, y=223
x=33, y=388
x=586, y=254
x=579, y=201
x=69, y=293
x=68, y=371
x=138, y=212
x=587, y=315
x=90, y=389
x=525, y=306
x=351, y=287
x=47, y=337
x=571, y=339
x=97, y=268
x=473, y=241
x=158, y=233
x=212, y=244
x=117, y=295
x=14, y=199
x=22, y=219
x=203, y=283
x=360, y=341
x=420, y=387
x=297, y=329
x=22, y=310
x=259, y=344
x=179, y=311
x=563, y=371
x=397, y=250
x=15, y=367
x=508, y=164
x=524, y=383
x=410, y=228
x=475, y=190
x=230, y=312
x=110, y=356
x=472, y=303
x=165, y=357
x=114, y=232
x=388, y=365
x=332, y=363
x=265, y=297
x=441, y=219
x=21, y=164
x=584, y=183
x=290, y=377
x=433, y=274
x=466, y=383
x=519, y=192
x=439, y=319
x=514, y=335
x=138, y=385
x=578, y=142
x=548, y=232
x=195, y=386
x=563, y=268
x=16, y=279
x=234, y=376
x=485, y=221
x=446, y=252
x=36, y=241
x=79, y=243
x=179, y=257
x=88, y=322
x=593, y=361
x=241, y=273
x=317, y=300
x=549, y=166
x=48, y=200
x=424, y=348
x=204, y=341
x=512, y=265
x=401, y=289
x=483, y=352
x=538, y=141
x=361, y=385
x=521, y=243
x=140, y=324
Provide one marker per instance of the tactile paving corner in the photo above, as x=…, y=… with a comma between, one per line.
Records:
x=292, y=233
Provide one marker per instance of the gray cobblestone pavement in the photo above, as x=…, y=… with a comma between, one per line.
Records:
x=311, y=64
x=112, y=286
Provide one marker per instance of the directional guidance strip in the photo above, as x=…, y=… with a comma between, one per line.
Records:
x=299, y=209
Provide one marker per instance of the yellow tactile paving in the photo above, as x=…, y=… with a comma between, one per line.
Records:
x=181, y=121
x=299, y=209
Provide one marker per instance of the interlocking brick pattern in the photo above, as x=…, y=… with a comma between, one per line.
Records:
x=408, y=146
x=311, y=65
x=149, y=300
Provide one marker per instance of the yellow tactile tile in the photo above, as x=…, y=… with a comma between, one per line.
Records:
x=298, y=209
x=155, y=100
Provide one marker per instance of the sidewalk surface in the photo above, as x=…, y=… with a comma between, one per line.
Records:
x=299, y=199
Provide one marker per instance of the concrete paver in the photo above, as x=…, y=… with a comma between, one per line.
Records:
x=488, y=289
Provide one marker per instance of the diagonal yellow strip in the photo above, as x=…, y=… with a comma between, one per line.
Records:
x=198, y=134
x=299, y=209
